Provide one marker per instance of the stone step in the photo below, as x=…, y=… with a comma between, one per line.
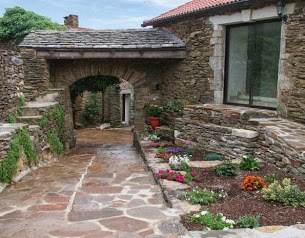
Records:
x=50, y=96
x=227, y=115
x=31, y=120
x=36, y=108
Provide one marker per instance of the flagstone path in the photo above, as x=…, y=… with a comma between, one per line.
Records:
x=97, y=190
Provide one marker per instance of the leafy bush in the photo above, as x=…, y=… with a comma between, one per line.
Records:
x=55, y=143
x=175, y=106
x=248, y=221
x=21, y=102
x=20, y=144
x=44, y=121
x=201, y=196
x=19, y=22
x=285, y=193
x=212, y=222
x=227, y=169
x=212, y=156
x=11, y=118
x=253, y=183
x=92, y=110
x=153, y=110
x=249, y=163
x=270, y=178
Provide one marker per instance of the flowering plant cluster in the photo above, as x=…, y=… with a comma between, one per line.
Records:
x=253, y=183
x=152, y=137
x=162, y=144
x=164, y=155
x=213, y=222
x=179, y=162
x=171, y=175
x=167, y=152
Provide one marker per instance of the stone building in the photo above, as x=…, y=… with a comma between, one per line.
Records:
x=245, y=64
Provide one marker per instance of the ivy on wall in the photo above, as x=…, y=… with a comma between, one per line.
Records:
x=21, y=144
x=53, y=122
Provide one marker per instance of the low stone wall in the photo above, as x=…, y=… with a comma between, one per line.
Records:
x=236, y=131
x=11, y=81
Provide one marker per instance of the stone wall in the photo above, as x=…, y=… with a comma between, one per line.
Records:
x=11, y=81
x=36, y=71
x=201, y=74
x=144, y=75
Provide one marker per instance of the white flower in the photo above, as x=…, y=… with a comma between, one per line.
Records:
x=230, y=221
x=223, y=218
x=225, y=229
x=204, y=213
x=208, y=228
x=196, y=215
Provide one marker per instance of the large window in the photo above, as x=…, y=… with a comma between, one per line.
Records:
x=252, y=61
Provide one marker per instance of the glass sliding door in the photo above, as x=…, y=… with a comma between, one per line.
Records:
x=252, y=61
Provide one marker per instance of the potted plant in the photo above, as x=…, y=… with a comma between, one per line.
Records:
x=154, y=112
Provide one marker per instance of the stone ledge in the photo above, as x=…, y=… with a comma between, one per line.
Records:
x=244, y=133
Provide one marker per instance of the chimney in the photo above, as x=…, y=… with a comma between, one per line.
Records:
x=71, y=21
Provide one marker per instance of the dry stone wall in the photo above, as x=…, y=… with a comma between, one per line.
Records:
x=11, y=82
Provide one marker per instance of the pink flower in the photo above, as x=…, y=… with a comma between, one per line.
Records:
x=179, y=178
x=193, y=174
x=169, y=179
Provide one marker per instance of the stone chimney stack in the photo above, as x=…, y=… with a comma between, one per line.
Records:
x=71, y=21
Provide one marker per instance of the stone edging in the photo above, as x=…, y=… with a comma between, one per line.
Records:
x=170, y=191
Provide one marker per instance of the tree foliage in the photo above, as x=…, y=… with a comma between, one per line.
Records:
x=18, y=22
x=92, y=84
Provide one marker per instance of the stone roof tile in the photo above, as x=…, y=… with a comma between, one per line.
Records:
x=103, y=39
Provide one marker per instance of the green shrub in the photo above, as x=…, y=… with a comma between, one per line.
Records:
x=55, y=143
x=11, y=118
x=285, y=193
x=44, y=122
x=248, y=221
x=91, y=112
x=227, y=169
x=175, y=106
x=20, y=144
x=212, y=156
x=270, y=178
x=249, y=163
x=21, y=102
x=201, y=196
x=212, y=222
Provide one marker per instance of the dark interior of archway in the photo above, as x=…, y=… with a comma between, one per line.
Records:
x=92, y=84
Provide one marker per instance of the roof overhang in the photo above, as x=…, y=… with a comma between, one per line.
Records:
x=114, y=54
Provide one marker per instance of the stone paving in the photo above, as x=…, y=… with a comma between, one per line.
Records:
x=95, y=191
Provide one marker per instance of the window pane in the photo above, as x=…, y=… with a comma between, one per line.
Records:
x=265, y=64
x=237, y=91
x=252, y=64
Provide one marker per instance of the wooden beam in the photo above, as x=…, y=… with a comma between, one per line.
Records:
x=164, y=54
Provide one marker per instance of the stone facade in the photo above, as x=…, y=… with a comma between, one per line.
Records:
x=201, y=74
x=11, y=81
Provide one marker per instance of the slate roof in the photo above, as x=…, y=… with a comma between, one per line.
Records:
x=135, y=39
x=189, y=8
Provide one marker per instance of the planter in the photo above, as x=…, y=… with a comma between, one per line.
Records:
x=154, y=122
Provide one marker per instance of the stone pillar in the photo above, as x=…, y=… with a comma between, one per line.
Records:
x=114, y=106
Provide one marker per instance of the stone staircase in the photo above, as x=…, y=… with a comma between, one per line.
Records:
x=32, y=111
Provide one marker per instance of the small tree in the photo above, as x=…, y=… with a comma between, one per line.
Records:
x=92, y=109
x=18, y=22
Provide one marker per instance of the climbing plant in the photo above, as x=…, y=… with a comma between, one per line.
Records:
x=17, y=22
x=21, y=144
x=53, y=122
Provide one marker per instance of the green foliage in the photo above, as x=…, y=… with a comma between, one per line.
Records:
x=212, y=222
x=57, y=115
x=92, y=84
x=285, y=193
x=248, y=221
x=249, y=163
x=153, y=110
x=212, y=157
x=271, y=178
x=201, y=196
x=11, y=118
x=21, y=144
x=182, y=166
x=44, y=121
x=92, y=110
x=175, y=106
x=227, y=169
x=21, y=102
x=55, y=143
x=19, y=22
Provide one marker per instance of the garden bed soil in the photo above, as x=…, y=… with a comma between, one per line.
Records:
x=239, y=202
